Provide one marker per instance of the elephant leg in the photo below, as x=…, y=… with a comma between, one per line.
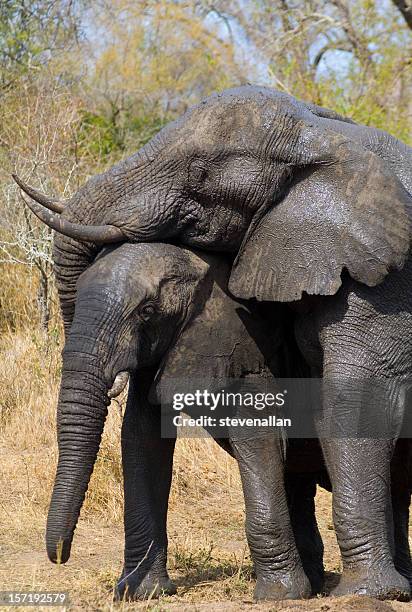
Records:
x=147, y=472
x=269, y=531
x=401, y=498
x=301, y=491
x=359, y=469
x=402, y=557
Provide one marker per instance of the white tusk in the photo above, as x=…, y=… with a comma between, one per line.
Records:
x=119, y=384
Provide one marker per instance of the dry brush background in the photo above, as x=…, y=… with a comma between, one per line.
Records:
x=83, y=84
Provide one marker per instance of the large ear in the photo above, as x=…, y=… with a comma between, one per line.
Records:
x=224, y=340
x=343, y=209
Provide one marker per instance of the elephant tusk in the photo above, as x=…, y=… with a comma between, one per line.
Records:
x=99, y=234
x=119, y=384
x=51, y=203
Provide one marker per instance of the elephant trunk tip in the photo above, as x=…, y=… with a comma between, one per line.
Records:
x=59, y=550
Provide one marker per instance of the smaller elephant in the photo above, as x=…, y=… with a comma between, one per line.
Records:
x=158, y=312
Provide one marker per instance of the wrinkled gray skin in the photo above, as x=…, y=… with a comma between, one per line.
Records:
x=160, y=313
x=302, y=194
x=360, y=340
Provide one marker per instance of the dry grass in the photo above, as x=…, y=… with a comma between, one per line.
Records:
x=209, y=559
x=17, y=303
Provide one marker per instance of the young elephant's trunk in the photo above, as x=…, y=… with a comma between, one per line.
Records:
x=70, y=259
x=82, y=410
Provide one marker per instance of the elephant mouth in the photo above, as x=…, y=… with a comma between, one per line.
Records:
x=119, y=384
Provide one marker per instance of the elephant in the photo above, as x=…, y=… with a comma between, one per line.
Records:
x=154, y=312
x=315, y=207
x=360, y=342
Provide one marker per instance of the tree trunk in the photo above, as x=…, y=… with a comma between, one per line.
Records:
x=43, y=300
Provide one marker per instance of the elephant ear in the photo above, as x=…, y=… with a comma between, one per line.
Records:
x=344, y=209
x=224, y=340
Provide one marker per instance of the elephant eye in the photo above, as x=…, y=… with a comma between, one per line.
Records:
x=197, y=172
x=147, y=311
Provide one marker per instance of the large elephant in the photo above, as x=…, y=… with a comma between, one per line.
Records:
x=208, y=178
x=307, y=199
x=160, y=312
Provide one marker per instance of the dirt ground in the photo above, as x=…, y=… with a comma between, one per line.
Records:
x=209, y=559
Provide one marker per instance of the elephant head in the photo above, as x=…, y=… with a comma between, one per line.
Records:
x=139, y=308
x=208, y=179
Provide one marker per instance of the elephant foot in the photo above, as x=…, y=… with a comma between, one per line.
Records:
x=316, y=576
x=291, y=586
x=404, y=567
x=150, y=587
x=373, y=582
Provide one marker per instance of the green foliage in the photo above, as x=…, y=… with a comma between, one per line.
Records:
x=101, y=135
x=143, y=128
x=97, y=134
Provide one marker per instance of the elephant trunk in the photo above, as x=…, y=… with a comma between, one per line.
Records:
x=81, y=414
x=70, y=259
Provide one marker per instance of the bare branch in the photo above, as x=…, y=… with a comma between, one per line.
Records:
x=327, y=48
